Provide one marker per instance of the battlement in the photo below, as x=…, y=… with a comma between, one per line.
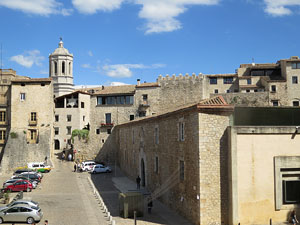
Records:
x=180, y=77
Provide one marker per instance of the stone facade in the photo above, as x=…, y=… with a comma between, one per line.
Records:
x=31, y=122
x=184, y=176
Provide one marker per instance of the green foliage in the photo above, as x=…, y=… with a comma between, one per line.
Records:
x=13, y=135
x=84, y=134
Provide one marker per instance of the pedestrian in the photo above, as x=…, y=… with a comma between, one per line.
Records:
x=75, y=167
x=138, y=182
x=150, y=205
x=46, y=222
x=294, y=217
x=63, y=156
x=78, y=167
x=46, y=160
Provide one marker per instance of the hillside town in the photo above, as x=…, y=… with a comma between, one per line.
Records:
x=212, y=148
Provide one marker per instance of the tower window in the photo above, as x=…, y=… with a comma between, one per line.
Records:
x=69, y=68
x=63, y=68
x=55, y=67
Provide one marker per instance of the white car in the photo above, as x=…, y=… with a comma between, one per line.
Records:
x=99, y=168
x=87, y=165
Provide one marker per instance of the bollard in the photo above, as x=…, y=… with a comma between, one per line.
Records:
x=271, y=221
x=113, y=222
x=134, y=215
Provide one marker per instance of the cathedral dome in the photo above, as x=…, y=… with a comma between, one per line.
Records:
x=61, y=50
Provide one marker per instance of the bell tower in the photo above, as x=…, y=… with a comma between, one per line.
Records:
x=61, y=70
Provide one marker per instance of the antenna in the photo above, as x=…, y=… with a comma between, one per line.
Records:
x=253, y=63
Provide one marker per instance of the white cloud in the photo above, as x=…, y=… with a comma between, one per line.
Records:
x=92, y=6
x=280, y=7
x=86, y=66
x=117, y=84
x=125, y=70
x=39, y=7
x=28, y=59
x=90, y=53
x=161, y=14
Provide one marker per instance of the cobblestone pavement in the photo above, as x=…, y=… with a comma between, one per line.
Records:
x=65, y=197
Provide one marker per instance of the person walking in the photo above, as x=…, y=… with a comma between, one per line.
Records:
x=138, y=182
x=294, y=217
x=75, y=167
x=46, y=222
x=150, y=204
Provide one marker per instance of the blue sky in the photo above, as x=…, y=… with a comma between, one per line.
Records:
x=123, y=40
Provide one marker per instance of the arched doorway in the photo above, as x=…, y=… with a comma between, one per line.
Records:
x=143, y=172
x=56, y=145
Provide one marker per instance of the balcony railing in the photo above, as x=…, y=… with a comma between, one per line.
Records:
x=32, y=122
x=107, y=124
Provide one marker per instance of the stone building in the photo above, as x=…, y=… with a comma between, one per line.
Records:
x=72, y=111
x=30, y=122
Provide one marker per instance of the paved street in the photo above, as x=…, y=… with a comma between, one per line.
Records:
x=66, y=197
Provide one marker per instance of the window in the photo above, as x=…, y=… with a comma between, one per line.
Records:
x=69, y=118
x=273, y=88
x=107, y=118
x=181, y=131
x=69, y=130
x=294, y=79
x=33, y=116
x=131, y=117
x=296, y=65
x=108, y=131
x=114, y=100
x=145, y=98
x=83, y=118
x=295, y=103
x=2, y=135
x=142, y=113
x=249, y=81
x=156, y=165
x=70, y=67
x=291, y=194
x=2, y=116
x=33, y=134
x=56, y=118
x=98, y=131
x=275, y=103
x=247, y=90
x=216, y=91
x=82, y=104
x=63, y=68
x=156, y=135
x=56, y=131
x=213, y=80
x=55, y=67
x=227, y=80
x=228, y=91
x=181, y=170
x=22, y=96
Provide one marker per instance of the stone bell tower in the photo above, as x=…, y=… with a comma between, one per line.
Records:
x=61, y=70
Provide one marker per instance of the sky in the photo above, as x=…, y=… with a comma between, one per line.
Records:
x=120, y=41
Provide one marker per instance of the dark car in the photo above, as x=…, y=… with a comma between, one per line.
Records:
x=30, y=176
x=22, y=171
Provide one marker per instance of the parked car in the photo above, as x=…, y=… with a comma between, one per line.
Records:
x=30, y=176
x=39, y=167
x=87, y=165
x=32, y=173
x=19, y=171
x=20, y=177
x=99, y=168
x=21, y=213
x=20, y=185
x=24, y=202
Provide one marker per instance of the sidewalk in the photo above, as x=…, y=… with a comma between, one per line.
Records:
x=109, y=187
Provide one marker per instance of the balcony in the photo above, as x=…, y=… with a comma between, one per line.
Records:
x=107, y=124
x=144, y=105
x=32, y=122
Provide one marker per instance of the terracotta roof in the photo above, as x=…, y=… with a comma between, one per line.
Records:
x=154, y=84
x=72, y=93
x=215, y=104
x=222, y=75
x=31, y=80
x=113, y=90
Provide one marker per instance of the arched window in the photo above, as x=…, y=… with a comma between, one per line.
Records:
x=69, y=68
x=55, y=67
x=63, y=68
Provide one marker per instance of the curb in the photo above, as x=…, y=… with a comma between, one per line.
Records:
x=101, y=203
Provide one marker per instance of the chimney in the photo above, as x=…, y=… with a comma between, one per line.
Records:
x=138, y=82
